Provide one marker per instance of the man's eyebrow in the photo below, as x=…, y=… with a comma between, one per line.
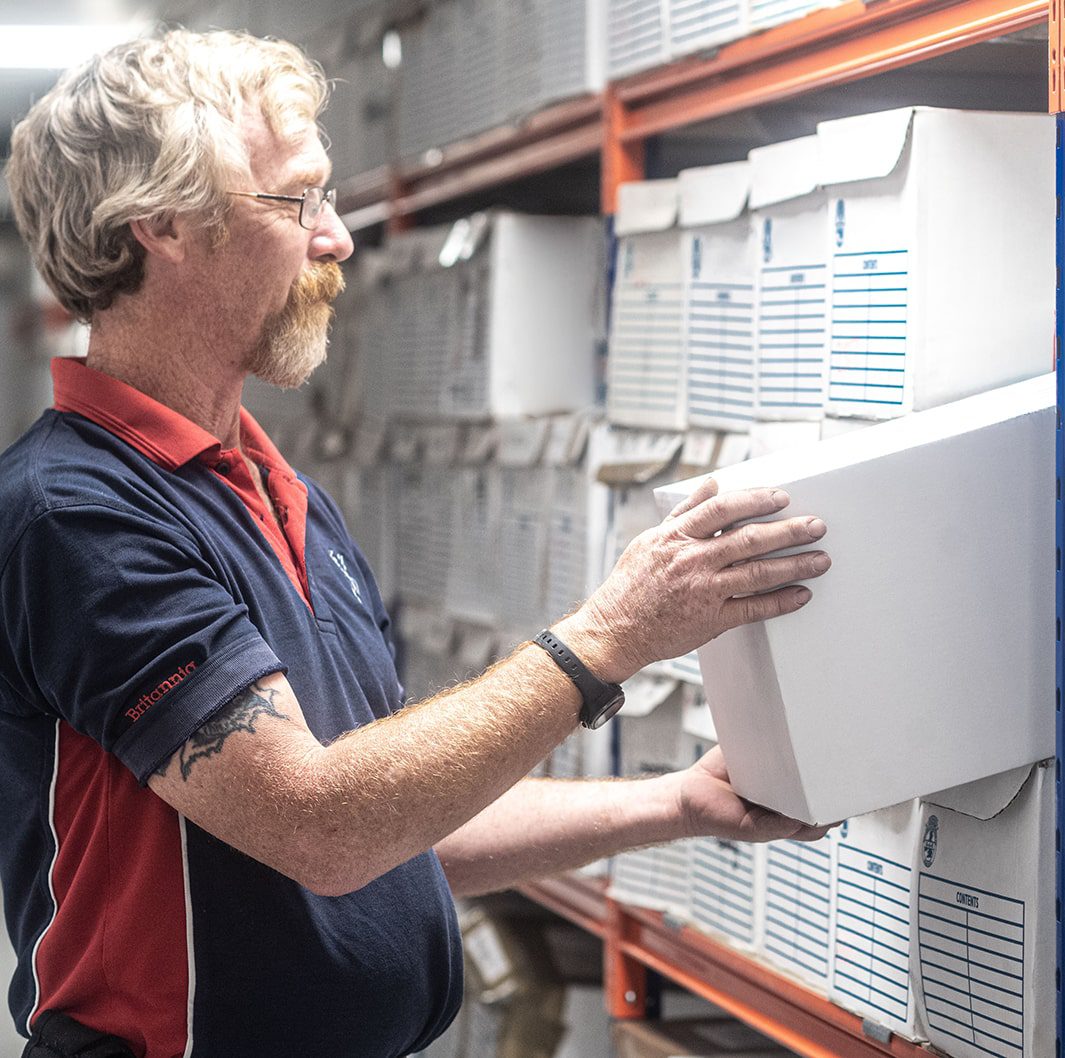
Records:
x=310, y=178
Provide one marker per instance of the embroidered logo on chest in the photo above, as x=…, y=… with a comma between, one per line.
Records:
x=341, y=563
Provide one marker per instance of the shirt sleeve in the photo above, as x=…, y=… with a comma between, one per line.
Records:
x=118, y=624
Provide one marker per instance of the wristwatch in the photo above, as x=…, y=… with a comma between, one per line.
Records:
x=601, y=700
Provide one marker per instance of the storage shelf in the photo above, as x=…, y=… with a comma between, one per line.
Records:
x=548, y=139
x=825, y=48
x=636, y=940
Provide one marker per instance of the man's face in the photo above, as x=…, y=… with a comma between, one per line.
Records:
x=289, y=275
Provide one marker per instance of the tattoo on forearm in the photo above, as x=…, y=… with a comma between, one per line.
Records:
x=239, y=715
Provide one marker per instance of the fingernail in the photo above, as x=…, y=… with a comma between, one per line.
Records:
x=780, y=498
x=816, y=527
x=803, y=595
x=821, y=562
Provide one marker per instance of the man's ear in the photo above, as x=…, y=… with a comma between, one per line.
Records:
x=165, y=236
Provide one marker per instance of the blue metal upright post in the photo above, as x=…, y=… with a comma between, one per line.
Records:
x=1059, y=344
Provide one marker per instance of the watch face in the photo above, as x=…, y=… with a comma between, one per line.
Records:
x=606, y=711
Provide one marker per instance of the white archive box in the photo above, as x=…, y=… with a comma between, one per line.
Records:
x=727, y=887
x=767, y=13
x=366, y=499
x=650, y=742
x=770, y=437
x=427, y=652
x=985, y=955
x=422, y=498
x=636, y=34
x=646, y=374
x=931, y=213
x=718, y=248
x=632, y=463
x=524, y=523
x=875, y=895
x=695, y=25
x=473, y=574
x=530, y=315
x=800, y=904
x=791, y=322
x=578, y=512
x=835, y=711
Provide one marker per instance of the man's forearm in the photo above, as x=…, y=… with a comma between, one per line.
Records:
x=543, y=826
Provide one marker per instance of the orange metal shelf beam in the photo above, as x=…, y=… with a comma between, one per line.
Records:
x=635, y=940
x=825, y=48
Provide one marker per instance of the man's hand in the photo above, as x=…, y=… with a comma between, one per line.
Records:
x=710, y=807
x=686, y=581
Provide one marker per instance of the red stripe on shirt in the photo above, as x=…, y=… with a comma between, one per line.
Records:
x=119, y=966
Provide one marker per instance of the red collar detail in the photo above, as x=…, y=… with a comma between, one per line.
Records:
x=165, y=436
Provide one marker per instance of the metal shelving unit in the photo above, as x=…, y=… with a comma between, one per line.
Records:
x=826, y=48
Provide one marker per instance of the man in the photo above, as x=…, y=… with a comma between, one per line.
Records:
x=222, y=834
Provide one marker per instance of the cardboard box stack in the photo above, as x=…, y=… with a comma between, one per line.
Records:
x=472, y=65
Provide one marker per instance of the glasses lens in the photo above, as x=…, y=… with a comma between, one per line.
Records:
x=311, y=209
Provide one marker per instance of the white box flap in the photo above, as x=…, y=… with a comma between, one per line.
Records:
x=865, y=147
x=783, y=171
x=522, y=441
x=568, y=440
x=645, y=692
x=985, y=798
x=646, y=205
x=481, y=444
x=735, y=448
x=633, y=457
x=713, y=194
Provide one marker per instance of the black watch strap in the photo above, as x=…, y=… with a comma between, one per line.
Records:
x=601, y=700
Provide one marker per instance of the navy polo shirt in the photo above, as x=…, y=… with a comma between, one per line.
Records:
x=142, y=588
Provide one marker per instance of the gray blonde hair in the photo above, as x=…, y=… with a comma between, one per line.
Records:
x=150, y=128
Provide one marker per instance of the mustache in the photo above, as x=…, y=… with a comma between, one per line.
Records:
x=321, y=283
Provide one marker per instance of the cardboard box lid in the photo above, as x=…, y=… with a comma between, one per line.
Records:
x=646, y=205
x=634, y=457
x=522, y=442
x=568, y=440
x=735, y=448
x=645, y=692
x=713, y=194
x=783, y=171
x=864, y=147
x=464, y=238
x=985, y=798
x=481, y=444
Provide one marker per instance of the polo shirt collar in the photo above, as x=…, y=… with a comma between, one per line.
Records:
x=163, y=435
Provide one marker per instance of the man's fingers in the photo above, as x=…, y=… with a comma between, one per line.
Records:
x=705, y=490
x=761, y=538
x=713, y=515
x=751, y=608
x=763, y=574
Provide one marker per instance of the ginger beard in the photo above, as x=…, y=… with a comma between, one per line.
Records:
x=293, y=342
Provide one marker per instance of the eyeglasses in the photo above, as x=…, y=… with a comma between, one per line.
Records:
x=311, y=202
